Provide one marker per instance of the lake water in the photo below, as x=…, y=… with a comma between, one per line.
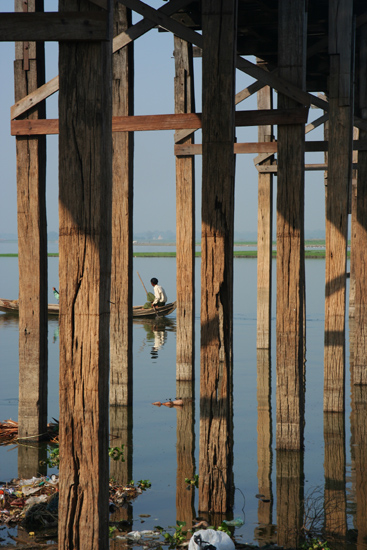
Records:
x=154, y=433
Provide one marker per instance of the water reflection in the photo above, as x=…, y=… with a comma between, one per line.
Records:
x=185, y=451
x=290, y=498
x=156, y=333
x=264, y=532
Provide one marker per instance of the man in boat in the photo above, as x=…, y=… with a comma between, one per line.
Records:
x=160, y=296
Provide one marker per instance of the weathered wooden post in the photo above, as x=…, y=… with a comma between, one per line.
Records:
x=290, y=235
x=264, y=231
x=29, y=74
x=85, y=209
x=264, y=448
x=185, y=449
x=339, y=174
x=122, y=219
x=185, y=217
x=219, y=25
x=353, y=230
x=360, y=227
x=335, y=500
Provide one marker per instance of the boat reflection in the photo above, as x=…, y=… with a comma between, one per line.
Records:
x=156, y=333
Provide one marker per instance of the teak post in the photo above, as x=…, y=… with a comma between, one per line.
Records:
x=339, y=175
x=264, y=231
x=185, y=218
x=215, y=457
x=85, y=208
x=29, y=74
x=122, y=219
x=290, y=236
x=360, y=227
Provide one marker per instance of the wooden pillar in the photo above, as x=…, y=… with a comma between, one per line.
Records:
x=29, y=74
x=264, y=532
x=264, y=231
x=121, y=379
x=215, y=458
x=339, y=174
x=360, y=228
x=335, y=500
x=185, y=218
x=290, y=236
x=185, y=450
x=85, y=209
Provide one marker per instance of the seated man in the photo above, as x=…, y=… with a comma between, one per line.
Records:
x=160, y=297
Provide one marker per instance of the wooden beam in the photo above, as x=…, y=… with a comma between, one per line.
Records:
x=143, y=26
x=307, y=167
x=120, y=41
x=260, y=147
x=53, y=26
x=166, y=122
x=32, y=99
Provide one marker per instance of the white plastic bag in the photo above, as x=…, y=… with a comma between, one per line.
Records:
x=205, y=538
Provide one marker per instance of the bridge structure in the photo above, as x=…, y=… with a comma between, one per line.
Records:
x=307, y=54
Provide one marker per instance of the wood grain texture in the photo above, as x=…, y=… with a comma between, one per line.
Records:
x=185, y=219
x=336, y=229
x=215, y=457
x=85, y=209
x=290, y=237
x=53, y=26
x=122, y=220
x=359, y=228
x=32, y=253
x=264, y=233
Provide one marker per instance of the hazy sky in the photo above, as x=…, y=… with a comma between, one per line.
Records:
x=154, y=162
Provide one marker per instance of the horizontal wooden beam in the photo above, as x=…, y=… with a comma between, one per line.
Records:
x=53, y=26
x=166, y=122
x=308, y=167
x=263, y=147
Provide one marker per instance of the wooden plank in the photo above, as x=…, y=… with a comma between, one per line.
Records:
x=121, y=360
x=32, y=99
x=85, y=217
x=185, y=219
x=53, y=26
x=165, y=122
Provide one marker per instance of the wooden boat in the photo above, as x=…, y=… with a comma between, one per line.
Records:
x=12, y=306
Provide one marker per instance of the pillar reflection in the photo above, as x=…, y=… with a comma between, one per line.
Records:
x=359, y=434
x=264, y=532
x=335, y=502
x=290, y=497
x=121, y=433
x=185, y=498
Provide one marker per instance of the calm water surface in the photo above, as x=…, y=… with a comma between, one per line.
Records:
x=154, y=428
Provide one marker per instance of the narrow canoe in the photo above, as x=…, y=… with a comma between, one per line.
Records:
x=12, y=306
